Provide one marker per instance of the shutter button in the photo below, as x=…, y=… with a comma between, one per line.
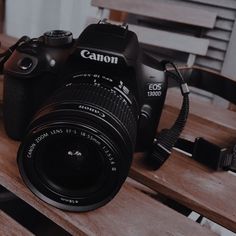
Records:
x=25, y=63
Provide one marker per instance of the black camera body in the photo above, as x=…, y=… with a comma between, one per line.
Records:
x=90, y=96
x=38, y=67
x=31, y=74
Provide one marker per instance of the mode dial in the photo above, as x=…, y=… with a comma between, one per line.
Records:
x=57, y=38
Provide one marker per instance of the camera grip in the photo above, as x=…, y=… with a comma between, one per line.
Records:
x=17, y=107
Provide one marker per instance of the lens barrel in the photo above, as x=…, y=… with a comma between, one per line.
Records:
x=78, y=149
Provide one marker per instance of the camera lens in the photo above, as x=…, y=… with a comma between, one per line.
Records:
x=78, y=149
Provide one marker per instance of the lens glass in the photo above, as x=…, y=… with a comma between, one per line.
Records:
x=71, y=165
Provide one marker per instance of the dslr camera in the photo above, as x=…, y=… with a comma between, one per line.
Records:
x=81, y=108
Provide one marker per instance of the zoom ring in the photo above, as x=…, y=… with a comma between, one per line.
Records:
x=104, y=98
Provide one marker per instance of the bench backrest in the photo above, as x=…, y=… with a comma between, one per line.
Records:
x=204, y=30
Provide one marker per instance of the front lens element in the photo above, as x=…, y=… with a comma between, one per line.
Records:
x=70, y=165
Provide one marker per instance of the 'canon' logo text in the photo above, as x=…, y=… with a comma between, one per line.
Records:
x=98, y=57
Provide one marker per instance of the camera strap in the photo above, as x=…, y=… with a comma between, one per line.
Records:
x=201, y=150
x=214, y=156
x=209, y=154
x=166, y=139
x=5, y=55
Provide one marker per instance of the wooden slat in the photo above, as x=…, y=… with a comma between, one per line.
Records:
x=224, y=13
x=209, y=63
x=224, y=24
x=229, y=65
x=208, y=192
x=218, y=44
x=130, y=213
x=232, y=107
x=6, y=41
x=218, y=34
x=221, y=12
x=220, y=3
x=164, y=39
x=117, y=16
x=9, y=227
x=215, y=54
x=161, y=10
x=180, y=42
x=205, y=113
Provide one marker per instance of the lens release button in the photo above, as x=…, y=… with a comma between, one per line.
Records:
x=25, y=63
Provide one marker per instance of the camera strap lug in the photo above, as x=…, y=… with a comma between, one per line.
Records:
x=159, y=152
x=103, y=21
x=106, y=21
x=5, y=55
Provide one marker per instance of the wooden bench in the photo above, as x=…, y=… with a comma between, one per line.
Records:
x=9, y=227
x=135, y=210
x=6, y=41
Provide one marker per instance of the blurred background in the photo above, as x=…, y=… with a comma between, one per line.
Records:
x=33, y=17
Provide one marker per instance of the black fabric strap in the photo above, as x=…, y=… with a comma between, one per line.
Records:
x=166, y=139
x=201, y=150
x=209, y=154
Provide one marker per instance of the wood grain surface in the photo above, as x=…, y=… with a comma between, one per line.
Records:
x=9, y=227
x=202, y=113
x=6, y=41
x=211, y=193
x=193, y=185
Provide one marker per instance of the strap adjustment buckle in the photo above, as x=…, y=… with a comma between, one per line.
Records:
x=211, y=155
x=158, y=155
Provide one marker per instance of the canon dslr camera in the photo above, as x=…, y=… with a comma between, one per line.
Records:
x=81, y=108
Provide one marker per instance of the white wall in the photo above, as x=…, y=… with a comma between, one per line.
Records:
x=33, y=17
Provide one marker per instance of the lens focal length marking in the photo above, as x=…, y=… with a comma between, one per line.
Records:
x=72, y=131
x=93, y=76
